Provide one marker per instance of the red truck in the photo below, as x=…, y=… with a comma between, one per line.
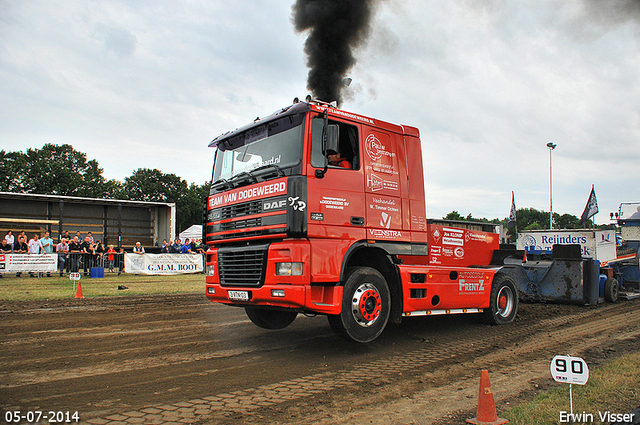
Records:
x=289, y=233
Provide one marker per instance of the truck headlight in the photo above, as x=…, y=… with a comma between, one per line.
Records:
x=211, y=270
x=289, y=269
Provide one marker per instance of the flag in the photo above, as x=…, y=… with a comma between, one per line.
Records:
x=591, y=209
x=512, y=214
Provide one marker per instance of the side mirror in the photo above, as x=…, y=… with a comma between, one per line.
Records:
x=332, y=136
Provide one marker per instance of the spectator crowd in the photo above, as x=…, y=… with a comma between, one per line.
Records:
x=78, y=252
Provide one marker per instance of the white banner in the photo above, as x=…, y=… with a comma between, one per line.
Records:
x=163, y=264
x=597, y=244
x=14, y=263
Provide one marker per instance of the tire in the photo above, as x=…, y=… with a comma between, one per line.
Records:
x=504, y=301
x=611, y=290
x=270, y=319
x=366, y=306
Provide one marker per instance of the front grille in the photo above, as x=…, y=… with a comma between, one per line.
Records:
x=247, y=208
x=242, y=266
x=241, y=224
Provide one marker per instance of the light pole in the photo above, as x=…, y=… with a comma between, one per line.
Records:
x=551, y=147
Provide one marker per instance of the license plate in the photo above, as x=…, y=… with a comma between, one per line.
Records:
x=238, y=295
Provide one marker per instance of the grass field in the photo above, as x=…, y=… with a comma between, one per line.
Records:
x=25, y=288
x=613, y=388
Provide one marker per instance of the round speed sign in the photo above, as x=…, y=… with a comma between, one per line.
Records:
x=570, y=370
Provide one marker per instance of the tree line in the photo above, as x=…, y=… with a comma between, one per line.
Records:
x=62, y=170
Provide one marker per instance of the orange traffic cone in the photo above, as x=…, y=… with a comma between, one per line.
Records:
x=79, y=291
x=524, y=259
x=486, y=406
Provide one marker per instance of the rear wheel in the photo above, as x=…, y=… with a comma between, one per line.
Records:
x=270, y=319
x=504, y=301
x=611, y=290
x=366, y=304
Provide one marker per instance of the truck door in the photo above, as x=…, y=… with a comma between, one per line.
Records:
x=382, y=186
x=336, y=199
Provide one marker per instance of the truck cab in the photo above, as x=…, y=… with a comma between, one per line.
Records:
x=288, y=232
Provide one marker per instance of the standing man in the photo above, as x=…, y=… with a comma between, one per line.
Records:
x=88, y=252
x=20, y=247
x=62, y=249
x=47, y=244
x=35, y=247
x=75, y=250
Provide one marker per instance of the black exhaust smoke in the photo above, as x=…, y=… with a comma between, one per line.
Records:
x=336, y=28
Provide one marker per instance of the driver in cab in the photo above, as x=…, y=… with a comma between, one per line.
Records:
x=337, y=161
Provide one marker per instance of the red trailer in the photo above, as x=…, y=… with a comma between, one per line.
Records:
x=289, y=233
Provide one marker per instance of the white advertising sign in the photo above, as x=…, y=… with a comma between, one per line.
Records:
x=14, y=263
x=163, y=264
x=598, y=245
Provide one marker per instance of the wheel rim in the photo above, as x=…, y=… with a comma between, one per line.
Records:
x=505, y=302
x=366, y=304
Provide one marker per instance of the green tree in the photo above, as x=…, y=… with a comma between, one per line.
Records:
x=190, y=207
x=154, y=186
x=11, y=166
x=454, y=215
x=61, y=170
x=566, y=221
x=113, y=189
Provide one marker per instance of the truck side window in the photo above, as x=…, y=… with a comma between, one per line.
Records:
x=348, y=143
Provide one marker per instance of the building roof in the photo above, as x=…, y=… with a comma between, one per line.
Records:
x=79, y=199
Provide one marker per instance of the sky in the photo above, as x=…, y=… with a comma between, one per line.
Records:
x=148, y=84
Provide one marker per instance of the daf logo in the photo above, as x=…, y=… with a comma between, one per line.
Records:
x=274, y=205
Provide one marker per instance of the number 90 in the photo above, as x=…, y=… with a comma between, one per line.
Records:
x=576, y=366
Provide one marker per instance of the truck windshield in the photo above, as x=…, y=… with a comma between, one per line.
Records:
x=276, y=146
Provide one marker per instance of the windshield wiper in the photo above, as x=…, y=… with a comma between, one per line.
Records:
x=242, y=178
x=221, y=184
x=265, y=176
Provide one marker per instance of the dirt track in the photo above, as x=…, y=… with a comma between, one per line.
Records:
x=179, y=358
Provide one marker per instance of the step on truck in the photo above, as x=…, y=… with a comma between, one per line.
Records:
x=289, y=233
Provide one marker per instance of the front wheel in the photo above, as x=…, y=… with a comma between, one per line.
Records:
x=504, y=301
x=270, y=319
x=366, y=305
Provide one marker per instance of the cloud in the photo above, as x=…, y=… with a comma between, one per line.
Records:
x=117, y=40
